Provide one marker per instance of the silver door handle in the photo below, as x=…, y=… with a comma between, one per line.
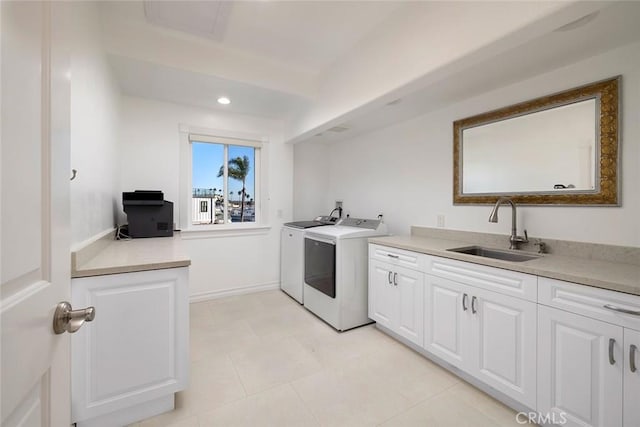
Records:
x=621, y=310
x=473, y=305
x=389, y=277
x=67, y=320
x=632, y=357
x=464, y=302
x=612, y=342
x=395, y=275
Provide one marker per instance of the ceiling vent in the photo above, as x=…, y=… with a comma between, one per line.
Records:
x=339, y=128
x=202, y=18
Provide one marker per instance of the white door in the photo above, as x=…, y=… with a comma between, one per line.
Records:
x=631, y=404
x=504, y=344
x=580, y=362
x=35, y=213
x=446, y=319
x=382, y=294
x=410, y=300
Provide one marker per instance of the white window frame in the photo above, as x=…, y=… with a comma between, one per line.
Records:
x=190, y=134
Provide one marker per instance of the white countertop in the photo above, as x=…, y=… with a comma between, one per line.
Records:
x=601, y=274
x=126, y=256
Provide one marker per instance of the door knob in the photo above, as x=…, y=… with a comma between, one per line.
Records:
x=67, y=320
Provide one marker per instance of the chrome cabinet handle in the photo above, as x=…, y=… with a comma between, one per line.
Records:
x=621, y=310
x=67, y=320
x=393, y=256
x=464, y=302
x=473, y=305
x=395, y=275
x=632, y=357
x=389, y=277
x=612, y=343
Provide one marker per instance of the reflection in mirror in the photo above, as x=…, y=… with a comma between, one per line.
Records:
x=550, y=150
x=558, y=149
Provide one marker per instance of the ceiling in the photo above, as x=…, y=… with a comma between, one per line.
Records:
x=613, y=26
x=271, y=38
x=149, y=80
x=268, y=56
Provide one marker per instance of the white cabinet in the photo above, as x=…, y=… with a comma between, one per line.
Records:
x=569, y=351
x=395, y=299
x=128, y=363
x=503, y=341
x=631, y=403
x=381, y=294
x=580, y=363
x=586, y=358
x=486, y=334
x=447, y=320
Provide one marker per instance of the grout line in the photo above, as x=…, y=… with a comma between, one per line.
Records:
x=313, y=414
x=235, y=369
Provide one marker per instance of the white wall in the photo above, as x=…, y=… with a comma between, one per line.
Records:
x=149, y=147
x=405, y=171
x=310, y=181
x=94, y=128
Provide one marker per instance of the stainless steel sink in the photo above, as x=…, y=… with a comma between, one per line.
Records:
x=504, y=255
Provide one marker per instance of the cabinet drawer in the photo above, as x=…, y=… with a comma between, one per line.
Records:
x=506, y=282
x=589, y=301
x=408, y=259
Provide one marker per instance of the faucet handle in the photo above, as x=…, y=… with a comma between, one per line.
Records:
x=542, y=246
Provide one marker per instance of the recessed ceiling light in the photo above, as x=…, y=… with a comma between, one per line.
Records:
x=224, y=100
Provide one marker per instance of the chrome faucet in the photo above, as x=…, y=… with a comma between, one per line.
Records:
x=515, y=240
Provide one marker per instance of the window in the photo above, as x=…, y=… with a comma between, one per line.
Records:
x=224, y=180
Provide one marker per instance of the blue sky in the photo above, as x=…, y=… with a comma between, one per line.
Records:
x=207, y=159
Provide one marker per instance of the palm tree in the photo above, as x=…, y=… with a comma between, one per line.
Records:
x=238, y=168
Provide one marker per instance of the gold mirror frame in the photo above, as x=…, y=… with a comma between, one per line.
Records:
x=606, y=94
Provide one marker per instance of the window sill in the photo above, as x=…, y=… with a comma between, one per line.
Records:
x=217, y=231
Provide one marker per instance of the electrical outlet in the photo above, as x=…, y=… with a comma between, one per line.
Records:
x=338, y=204
x=441, y=221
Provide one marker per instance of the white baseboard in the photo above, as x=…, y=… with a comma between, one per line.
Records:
x=222, y=293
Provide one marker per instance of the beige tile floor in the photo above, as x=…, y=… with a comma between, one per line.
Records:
x=263, y=360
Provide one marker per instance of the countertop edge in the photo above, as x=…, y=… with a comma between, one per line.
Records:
x=91, y=272
x=506, y=265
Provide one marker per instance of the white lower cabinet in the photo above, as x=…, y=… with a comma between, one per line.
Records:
x=447, y=320
x=503, y=331
x=486, y=334
x=568, y=351
x=580, y=369
x=631, y=403
x=395, y=299
x=128, y=363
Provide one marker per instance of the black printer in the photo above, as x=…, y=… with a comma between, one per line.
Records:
x=148, y=214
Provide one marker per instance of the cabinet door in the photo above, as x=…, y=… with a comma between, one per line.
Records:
x=631, y=404
x=136, y=350
x=446, y=319
x=410, y=300
x=503, y=333
x=382, y=294
x=292, y=263
x=577, y=379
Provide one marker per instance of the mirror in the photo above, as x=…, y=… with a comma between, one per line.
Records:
x=558, y=149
